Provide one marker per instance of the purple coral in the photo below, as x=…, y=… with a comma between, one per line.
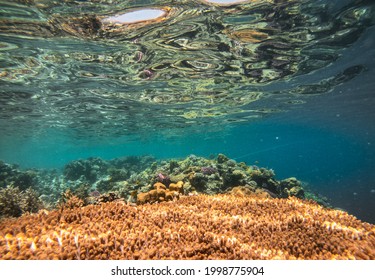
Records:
x=164, y=179
x=94, y=193
x=208, y=170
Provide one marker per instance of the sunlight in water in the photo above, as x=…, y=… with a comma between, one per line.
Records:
x=137, y=16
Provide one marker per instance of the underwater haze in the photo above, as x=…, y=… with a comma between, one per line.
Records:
x=286, y=85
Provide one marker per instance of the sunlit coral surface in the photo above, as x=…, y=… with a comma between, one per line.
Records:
x=193, y=227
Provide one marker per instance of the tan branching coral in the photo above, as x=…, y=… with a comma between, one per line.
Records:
x=193, y=227
x=242, y=191
x=69, y=200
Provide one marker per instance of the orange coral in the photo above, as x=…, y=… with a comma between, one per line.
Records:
x=159, y=185
x=193, y=227
x=161, y=193
x=242, y=191
x=155, y=195
x=178, y=187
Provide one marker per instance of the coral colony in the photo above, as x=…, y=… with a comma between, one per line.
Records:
x=208, y=170
x=193, y=208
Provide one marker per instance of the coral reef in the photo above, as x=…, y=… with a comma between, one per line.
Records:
x=95, y=180
x=220, y=226
x=91, y=169
x=214, y=175
x=14, y=202
x=292, y=187
x=30, y=201
x=70, y=201
x=221, y=174
x=85, y=170
x=243, y=191
x=106, y=176
x=161, y=193
x=107, y=197
x=11, y=175
x=10, y=202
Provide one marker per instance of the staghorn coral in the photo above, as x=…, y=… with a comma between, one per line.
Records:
x=193, y=227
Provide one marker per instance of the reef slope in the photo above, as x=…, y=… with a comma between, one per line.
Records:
x=193, y=227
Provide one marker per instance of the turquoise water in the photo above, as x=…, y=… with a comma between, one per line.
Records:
x=287, y=85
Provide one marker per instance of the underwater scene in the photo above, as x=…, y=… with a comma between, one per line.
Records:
x=187, y=129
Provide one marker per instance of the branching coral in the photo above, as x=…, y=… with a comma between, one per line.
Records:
x=193, y=227
x=242, y=191
x=70, y=201
x=14, y=202
x=10, y=202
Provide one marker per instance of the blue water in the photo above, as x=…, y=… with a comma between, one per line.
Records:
x=338, y=165
x=325, y=140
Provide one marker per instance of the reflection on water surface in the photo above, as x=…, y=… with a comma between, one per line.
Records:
x=198, y=64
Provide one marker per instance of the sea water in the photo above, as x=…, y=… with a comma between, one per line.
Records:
x=287, y=86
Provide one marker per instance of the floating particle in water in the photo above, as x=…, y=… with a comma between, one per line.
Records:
x=355, y=193
x=372, y=191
